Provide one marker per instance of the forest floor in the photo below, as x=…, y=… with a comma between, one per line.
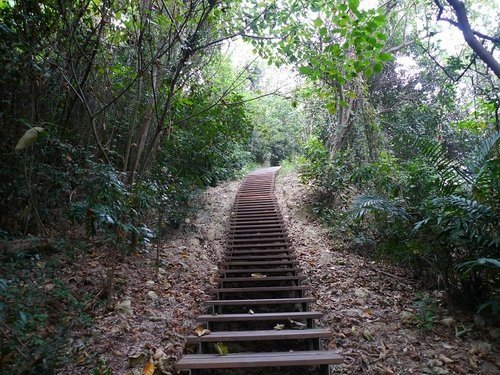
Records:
x=382, y=321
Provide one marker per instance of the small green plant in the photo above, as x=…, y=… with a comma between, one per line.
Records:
x=426, y=308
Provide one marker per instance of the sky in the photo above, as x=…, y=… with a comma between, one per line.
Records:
x=448, y=38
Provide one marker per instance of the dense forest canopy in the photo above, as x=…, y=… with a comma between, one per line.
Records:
x=113, y=112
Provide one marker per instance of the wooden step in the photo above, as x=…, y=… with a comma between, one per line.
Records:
x=232, y=258
x=258, y=251
x=270, y=334
x=251, y=241
x=259, y=263
x=251, y=227
x=268, y=279
x=263, y=271
x=260, y=301
x=262, y=289
x=251, y=360
x=257, y=234
x=258, y=245
x=259, y=316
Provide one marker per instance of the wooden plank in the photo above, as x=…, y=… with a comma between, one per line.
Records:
x=268, y=279
x=261, y=301
x=231, y=258
x=284, y=251
x=271, y=334
x=252, y=360
x=249, y=241
x=260, y=270
x=257, y=245
x=261, y=289
x=259, y=316
x=239, y=227
x=259, y=263
x=257, y=234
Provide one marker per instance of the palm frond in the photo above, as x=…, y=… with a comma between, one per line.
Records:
x=451, y=172
x=364, y=204
x=471, y=208
x=467, y=267
x=485, y=148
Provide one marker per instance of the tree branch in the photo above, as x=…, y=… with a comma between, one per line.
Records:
x=463, y=24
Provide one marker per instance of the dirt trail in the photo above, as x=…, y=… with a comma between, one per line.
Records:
x=369, y=308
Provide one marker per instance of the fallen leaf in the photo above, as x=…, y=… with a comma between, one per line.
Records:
x=258, y=275
x=221, y=348
x=159, y=354
x=279, y=327
x=201, y=331
x=362, y=293
x=251, y=311
x=480, y=348
x=125, y=307
x=448, y=322
x=368, y=335
x=445, y=359
x=148, y=369
x=296, y=324
x=152, y=294
x=134, y=360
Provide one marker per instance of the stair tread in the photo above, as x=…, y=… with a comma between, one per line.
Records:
x=259, y=316
x=262, y=289
x=268, y=334
x=259, y=301
x=269, y=278
x=262, y=271
x=257, y=263
x=249, y=360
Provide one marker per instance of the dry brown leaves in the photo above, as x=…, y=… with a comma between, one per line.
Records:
x=154, y=309
x=370, y=307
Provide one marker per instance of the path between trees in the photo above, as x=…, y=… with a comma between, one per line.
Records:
x=376, y=313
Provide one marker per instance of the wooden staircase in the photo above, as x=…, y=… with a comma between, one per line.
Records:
x=260, y=312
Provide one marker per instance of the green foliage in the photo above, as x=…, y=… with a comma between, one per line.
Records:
x=36, y=310
x=277, y=125
x=430, y=210
x=426, y=310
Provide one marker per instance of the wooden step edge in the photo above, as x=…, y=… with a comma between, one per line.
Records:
x=264, y=335
x=260, y=301
x=252, y=360
x=259, y=262
x=259, y=316
x=257, y=257
x=263, y=271
x=260, y=279
x=262, y=289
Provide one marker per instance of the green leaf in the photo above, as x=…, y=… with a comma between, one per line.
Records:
x=306, y=70
x=318, y=22
x=377, y=67
x=353, y=5
x=384, y=56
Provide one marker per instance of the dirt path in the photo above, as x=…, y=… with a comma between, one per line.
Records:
x=369, y=308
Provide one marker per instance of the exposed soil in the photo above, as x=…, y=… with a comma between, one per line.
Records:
x=370, y=308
